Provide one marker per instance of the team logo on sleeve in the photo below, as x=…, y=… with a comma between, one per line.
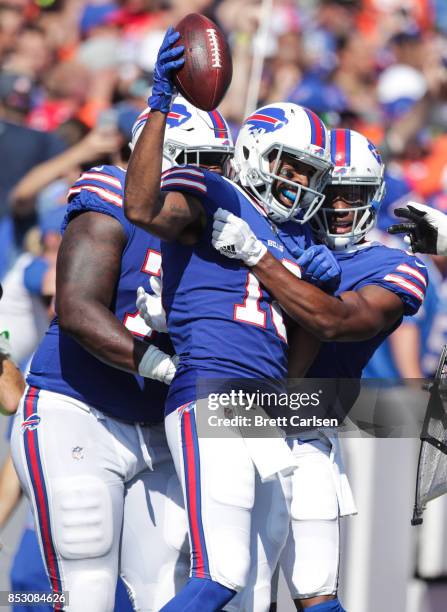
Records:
x=268, y=120
x=31, y=422
x=178, y=115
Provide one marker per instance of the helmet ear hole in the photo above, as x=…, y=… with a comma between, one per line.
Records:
x=245, y=152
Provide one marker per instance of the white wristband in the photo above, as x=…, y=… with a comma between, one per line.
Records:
x=157, y=365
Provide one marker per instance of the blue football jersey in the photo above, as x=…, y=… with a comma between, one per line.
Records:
x=62, y=365
x=431, y=324
x=221, y=322
x=361, y=266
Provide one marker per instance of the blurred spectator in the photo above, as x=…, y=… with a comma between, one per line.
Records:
x=66, y=86
x=32, y=54
x=100, y=47
x=355, y=74
x=107, y=143
x=11, y=22
x=399, y=87
x=21, y=148
x=29, y=287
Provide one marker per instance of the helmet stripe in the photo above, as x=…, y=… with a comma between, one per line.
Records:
x=348, y=147
x=317, y=134
x=220, y=129
x=341, y=147
x=334, y=146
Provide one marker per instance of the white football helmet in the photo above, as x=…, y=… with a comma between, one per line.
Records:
x=357, y=179
x=267, y=135
x=192, y=136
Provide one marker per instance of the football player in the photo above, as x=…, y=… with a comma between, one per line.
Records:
x=426, y=228
x=223, y=325
x=89, y=442
x=378, y=286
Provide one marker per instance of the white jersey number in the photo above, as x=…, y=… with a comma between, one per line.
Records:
x=133, y=321
x=250, y=310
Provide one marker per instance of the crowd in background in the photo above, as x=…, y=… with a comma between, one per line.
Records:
x=74, y=74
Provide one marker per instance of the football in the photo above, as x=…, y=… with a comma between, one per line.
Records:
x=206, y=74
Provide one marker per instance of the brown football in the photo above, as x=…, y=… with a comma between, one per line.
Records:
x=206, y=74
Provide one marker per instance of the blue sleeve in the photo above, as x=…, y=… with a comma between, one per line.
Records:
x=210, y=188
x=404, y=275
x=34, y=274
x=98, y=190
x=185, y=179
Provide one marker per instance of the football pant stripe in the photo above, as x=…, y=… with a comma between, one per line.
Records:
x=191, y=460
x=31, y=442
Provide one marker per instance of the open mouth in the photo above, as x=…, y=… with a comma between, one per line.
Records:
x=341, y=225
x=286, y=196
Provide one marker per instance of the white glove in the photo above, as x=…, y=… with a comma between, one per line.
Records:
x=425, y=228
x=158, y=365
x=150, y=306
x=233, y=237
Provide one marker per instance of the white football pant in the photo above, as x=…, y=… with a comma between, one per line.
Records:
x=99, y=508
x=221, y=490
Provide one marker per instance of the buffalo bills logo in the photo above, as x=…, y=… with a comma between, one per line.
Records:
x=31, y=422
x=375, y=152
x=178, y=115
x=267, y=120
x=339, y=170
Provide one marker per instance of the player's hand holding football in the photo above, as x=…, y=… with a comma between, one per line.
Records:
x=426, y=228
x=320, y=267
x=169, y=58
x=150, y=307
x=233, y=237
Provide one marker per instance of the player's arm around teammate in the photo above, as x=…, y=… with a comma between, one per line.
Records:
x=354, y=315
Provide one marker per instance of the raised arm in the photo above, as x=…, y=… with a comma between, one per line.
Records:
x=167, y=215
